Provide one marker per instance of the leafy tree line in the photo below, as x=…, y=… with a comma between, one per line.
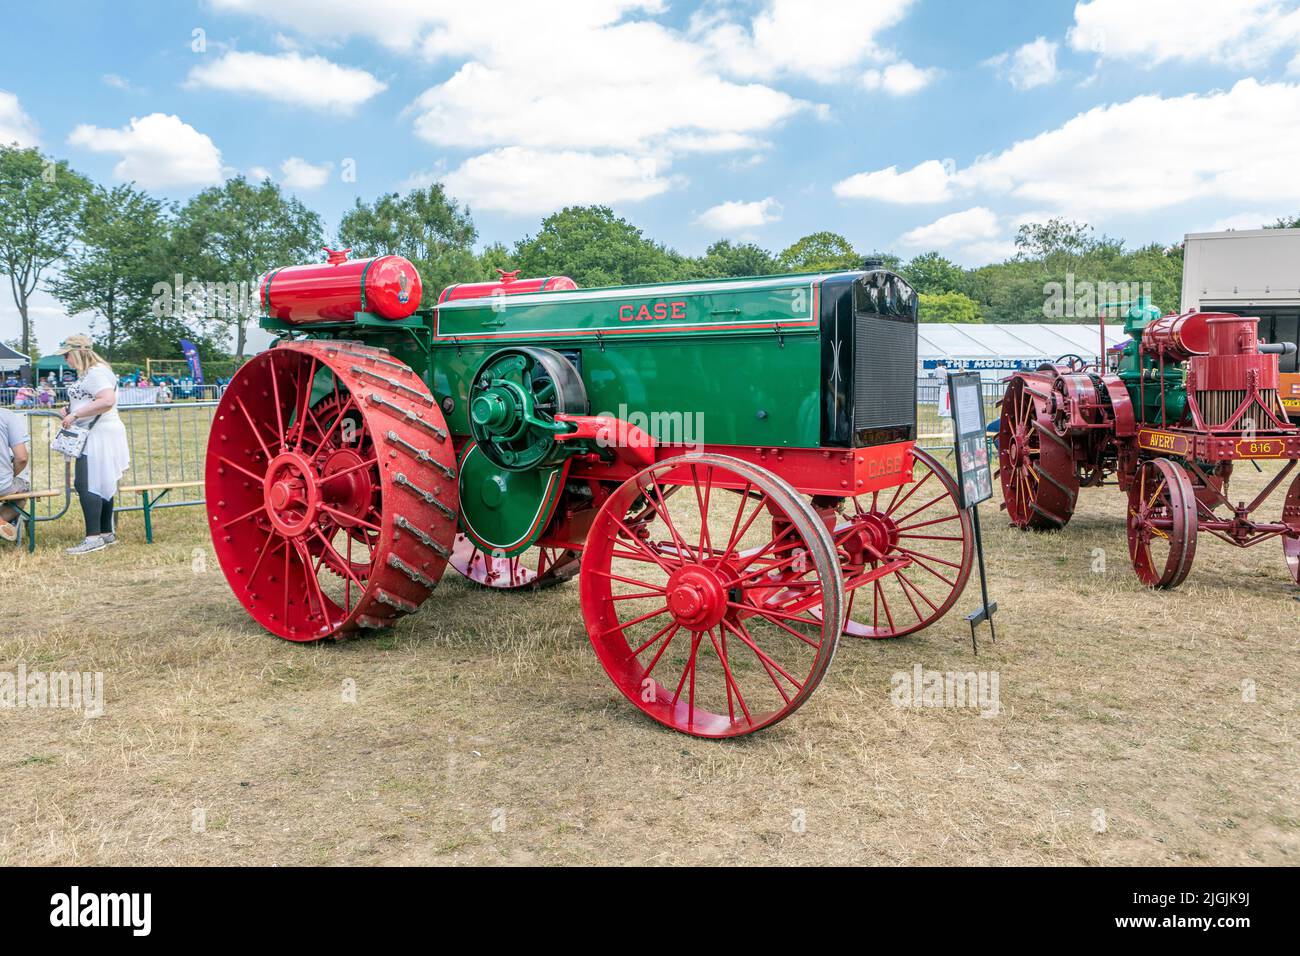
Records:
x=149, y=272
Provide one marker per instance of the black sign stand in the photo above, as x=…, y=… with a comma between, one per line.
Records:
x=974, y=477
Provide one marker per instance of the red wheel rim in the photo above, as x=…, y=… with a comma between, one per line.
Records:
x=535, y=569
x=1035, y=464
x=331, y=489
x=1291, y=540
x=922, y=521
x=700, y=604
x=1161, y=523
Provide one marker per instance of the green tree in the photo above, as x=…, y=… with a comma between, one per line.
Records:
x=235, y=233
x=40, y=203
x=930, y=273
x=495, y=256
x=111, y=269
x=1285, y=223
x=725, y=259
x=819, y=252
x=426, y=226
x=948, y=307
x=592, y=246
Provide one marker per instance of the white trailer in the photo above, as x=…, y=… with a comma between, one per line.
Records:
x=1250, y=272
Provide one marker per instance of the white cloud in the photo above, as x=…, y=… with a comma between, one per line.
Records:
x=1241, y=33
x=310, y=81
x=15, y=125
x=524, y=181
x=116, y=82
x=930, y=181
x=300, y=174
x=1251, y=156
x=967, y=226
x=397, y=24
x=1294, y=66
x=791, y=37
x=158, y=151
x=899, y=79
x=735, y=216
x=1242, y=220
x=258, y=173
x=1031, y=65
x=624, y=87
x=975, y=254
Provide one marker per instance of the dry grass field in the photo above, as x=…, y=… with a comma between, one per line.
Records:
x=485, y=731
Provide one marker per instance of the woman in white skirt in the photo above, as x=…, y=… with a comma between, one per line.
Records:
x=93, y=399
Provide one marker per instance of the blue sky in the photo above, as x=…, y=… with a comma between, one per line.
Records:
x=905, y=126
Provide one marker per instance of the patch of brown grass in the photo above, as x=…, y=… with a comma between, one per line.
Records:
x=485, y=731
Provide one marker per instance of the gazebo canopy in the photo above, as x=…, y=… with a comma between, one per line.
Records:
x=52, y=363
x=11, y=360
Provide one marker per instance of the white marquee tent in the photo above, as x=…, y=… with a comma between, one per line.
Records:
x=997, y=350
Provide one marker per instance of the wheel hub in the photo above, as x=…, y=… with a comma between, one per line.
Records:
x=292, y=494
x=696, y=598
x=873, y=535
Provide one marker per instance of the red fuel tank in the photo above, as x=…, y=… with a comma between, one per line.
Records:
x=1178, y=337
x=508, y=284
x=334, y=291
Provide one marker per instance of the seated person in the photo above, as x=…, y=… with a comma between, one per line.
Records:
x=14, y=458
x=25, y=397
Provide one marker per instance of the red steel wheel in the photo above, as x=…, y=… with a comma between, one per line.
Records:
x=706, y=608
x=331, y=489
x=1035, y=464
x=1161, y=523
x=1291, y=540
x=535, y=569
x=922, y=521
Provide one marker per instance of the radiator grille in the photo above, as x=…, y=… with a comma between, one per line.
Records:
x=884, y=373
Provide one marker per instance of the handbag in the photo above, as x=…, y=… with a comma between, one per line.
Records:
x=71, y=442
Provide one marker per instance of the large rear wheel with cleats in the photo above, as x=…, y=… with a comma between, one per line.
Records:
x=1040, y=483
x=712, y=595
x=331, y=489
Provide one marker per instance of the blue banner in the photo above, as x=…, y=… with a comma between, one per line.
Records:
x=191, y=353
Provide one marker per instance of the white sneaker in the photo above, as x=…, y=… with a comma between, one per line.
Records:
x=94, y=542
x=109, y=538
x=8, y=532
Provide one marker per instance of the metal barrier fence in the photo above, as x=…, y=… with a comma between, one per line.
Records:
x=168, y=445
x=126, y=395
x=934, y=430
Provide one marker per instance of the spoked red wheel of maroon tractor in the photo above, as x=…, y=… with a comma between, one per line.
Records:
x=537, y=568
x=1161, y=523
x=331, y=489
x=906, y=553
x=1291, y=540
x=1035, y=464
x=712, y=595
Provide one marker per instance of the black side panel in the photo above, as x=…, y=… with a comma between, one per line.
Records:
x=837, y=361
x=869, y=345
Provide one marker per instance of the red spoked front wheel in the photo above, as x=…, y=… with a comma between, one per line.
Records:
x=711, y=595
x=906, y=553
x=1161, y=523
x=331, y=489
